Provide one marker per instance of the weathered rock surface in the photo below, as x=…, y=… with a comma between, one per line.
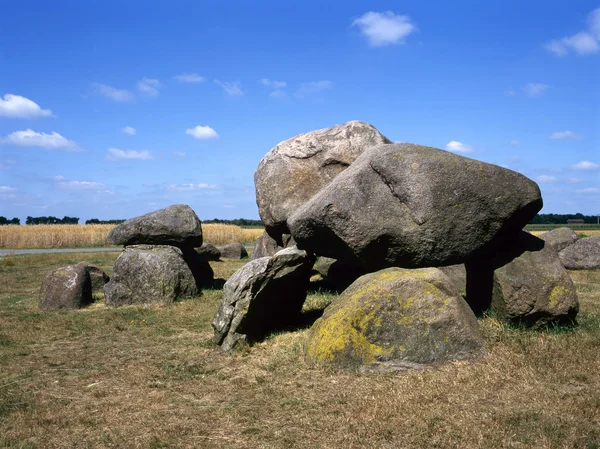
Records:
x=412, y=206
x=65, y=288
x=559, y=238
x=582, y=255
x=395, y=318
x=266, y=246
x=264, y=295
x=97, y=277
x=294, y=170
x=175, y=225
x=149, y=274
x=209, y=251
x=458, y=275
x=336, y=273
x=234, y=251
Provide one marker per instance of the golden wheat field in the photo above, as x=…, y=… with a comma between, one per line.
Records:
x=80, y=236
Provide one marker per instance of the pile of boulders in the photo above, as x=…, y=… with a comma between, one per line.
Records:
x=425, y=237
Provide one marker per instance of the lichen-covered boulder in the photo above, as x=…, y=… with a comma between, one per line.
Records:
x=234, y=251
x=413, y=206
x=294, y=170
x=65, y=288
x=266, y=246
x=559, y=238
x=145, y=274
x=582, y=255
x=337, y=274
x=176, y=225
x=264, y=295
x=97, y=277
x=395, y=318
x=209, y=251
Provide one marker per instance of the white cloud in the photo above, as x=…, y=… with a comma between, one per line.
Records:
x=7, y=163
x=386, y=28
x=280, y=94
x=61, y=183
x=118, y=95
x=190, y=187
x=458, y=147
x=179, y=154
x=15, y=106
x=583, y=43
x=535, y=89
x=128, y=130
x=586, y=166
x=231, y=88
x=589, y=190
x=7, y=189
x=30, y=138
x=313, y=87
x=273, y=83
x=202, y=132
x=565, y=135
x=575, y=180
x=546, y=178
x=189, y=78
x=149, y=87
x=114, y=154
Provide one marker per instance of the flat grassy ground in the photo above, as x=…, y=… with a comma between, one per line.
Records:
x=150, y=377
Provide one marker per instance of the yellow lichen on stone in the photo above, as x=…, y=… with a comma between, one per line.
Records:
x=557, y=295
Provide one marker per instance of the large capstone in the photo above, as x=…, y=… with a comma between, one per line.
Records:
x=264, y=295
x=395, y=318
x=146, y=274
x=294, y=170
x=412, y=206
x=582, y=255
x=175, y=225
x=559, y=238
x=65, y=288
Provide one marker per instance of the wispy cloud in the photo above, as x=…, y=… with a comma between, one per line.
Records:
x=149, y=87
x=565, y=135
x=7, y=189
x=31, y=138
x=546, y=179
x=273, y=83
x=589, y=190
x=458, y=147
x=15, y=106
x=128, y=130
x=585, y=166
x=190, y=187
x=385, y=28
x=189, y=78
x=7, y=163
x=115, y=154
x=584, y=42
x=61, y=183
x=515, y=142
x=232, y=88
x=118, y=95
x=202, y=132
x=313, y=87
x=535, y=89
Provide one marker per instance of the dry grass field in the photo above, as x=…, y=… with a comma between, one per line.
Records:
x=150, y=377
x=80, y=236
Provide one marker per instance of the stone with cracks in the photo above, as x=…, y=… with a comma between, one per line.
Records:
x=392, y=319
x=264, y=295
x=582, y=255
x=294, y=170
x=559, y=238
x=146, y=274
x=411, y=206
x=234, y=251
x=266, y=246
x=65, y=288
x=175, y=225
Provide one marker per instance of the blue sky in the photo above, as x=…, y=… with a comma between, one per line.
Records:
x=113, y=109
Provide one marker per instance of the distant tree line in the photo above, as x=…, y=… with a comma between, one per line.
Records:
x=51, y=220
x=96, y=221
x=6, y=221
x=244, y=222
x=562, y=218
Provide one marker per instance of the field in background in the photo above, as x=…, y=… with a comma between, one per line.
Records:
x=588, y=229
x=150, y=377
x=81, y=236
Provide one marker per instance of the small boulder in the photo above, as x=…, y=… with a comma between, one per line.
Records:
x=582, y=255
x=146, y=274
x=209, y=251
x=294, y=170
x=97, y=276
x=395, y=318
x=264, y=295
x=175, y=225
x=266, y=246
x=65, y=288
x=559, y=238
x=234, y=251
